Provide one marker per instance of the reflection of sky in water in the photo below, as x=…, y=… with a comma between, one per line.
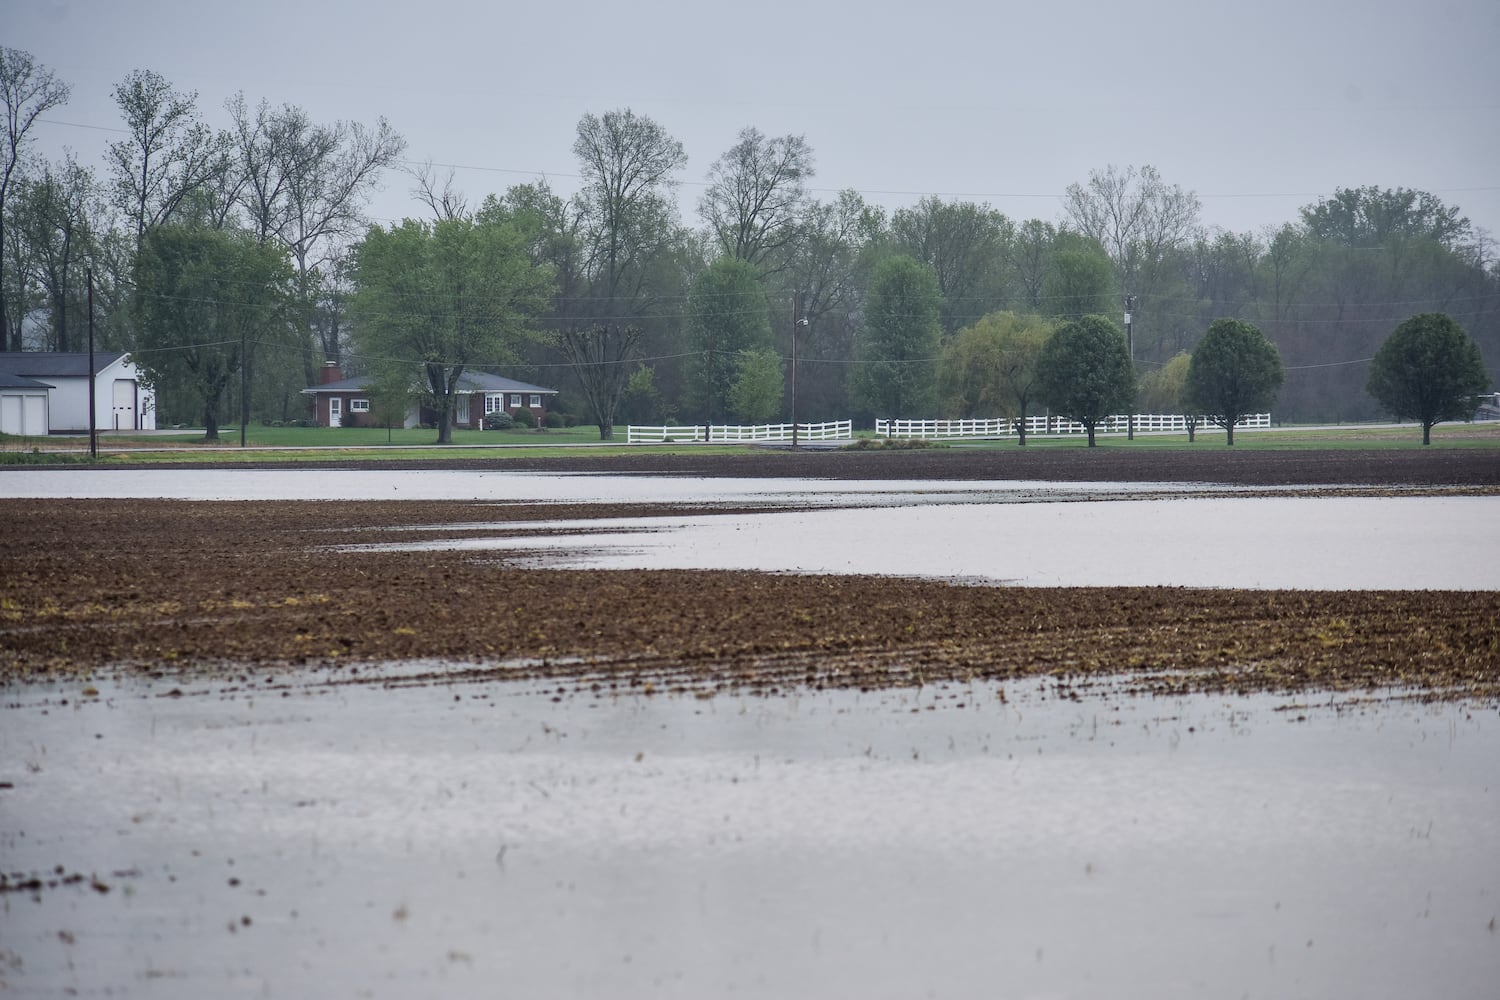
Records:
x=979, y=531
x=445, y=840
x=1326, y=543
x=440, y=484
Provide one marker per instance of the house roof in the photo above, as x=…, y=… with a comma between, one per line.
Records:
x=9, y=381
x=467, y=382
x=50, y=364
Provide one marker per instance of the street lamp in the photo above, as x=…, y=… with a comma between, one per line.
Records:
x=797, y=321
x=1130, y=347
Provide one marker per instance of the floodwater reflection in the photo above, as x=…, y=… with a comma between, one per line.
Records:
x=936, y=842
x=1314, y=543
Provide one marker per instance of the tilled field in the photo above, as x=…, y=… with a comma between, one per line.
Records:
x=251, y=590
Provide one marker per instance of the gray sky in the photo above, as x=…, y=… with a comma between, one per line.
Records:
x=1259, y=108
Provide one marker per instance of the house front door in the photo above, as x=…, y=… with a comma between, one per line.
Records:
x=335, y=411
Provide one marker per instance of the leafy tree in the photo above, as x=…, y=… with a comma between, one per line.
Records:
x=1429, y=370
x=896, y=374
x=391, y=397
x=727, y=317
x=964, y=245
x=1086, y=373
x=755, y=195
x=829, y=270
x=756, y=393
x=1078, y=282
x=202, y=296
x=446, y=296
x=1234, y=371
x=993, y=366
x=59, y=207
x=28, y=90
x=1165, y=391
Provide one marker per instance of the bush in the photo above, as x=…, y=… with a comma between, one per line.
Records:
x=348, y=419
x=498, y=421
x=892, y=444
x=555, y=420
x=524, y=418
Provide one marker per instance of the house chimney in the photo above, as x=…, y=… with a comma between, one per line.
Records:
x=330, y=373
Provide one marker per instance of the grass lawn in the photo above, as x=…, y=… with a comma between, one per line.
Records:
x=314, y=444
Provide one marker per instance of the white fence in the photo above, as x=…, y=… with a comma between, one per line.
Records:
x=834, y=430
x=1117, y=424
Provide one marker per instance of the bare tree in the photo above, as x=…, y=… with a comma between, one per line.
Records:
x=29, y=90
x=169, y=155
x=439, y=193
x=609, y=246
x=304, y=189
x=755, y=195
x=627, y=161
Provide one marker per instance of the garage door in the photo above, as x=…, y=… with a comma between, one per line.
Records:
x=124, y=419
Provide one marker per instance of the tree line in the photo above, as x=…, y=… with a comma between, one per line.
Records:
x=243, y=256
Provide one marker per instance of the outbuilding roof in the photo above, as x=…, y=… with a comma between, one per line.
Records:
x=9, y=381
x=53, y=364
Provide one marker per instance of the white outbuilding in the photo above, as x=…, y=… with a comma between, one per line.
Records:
x=47, y=392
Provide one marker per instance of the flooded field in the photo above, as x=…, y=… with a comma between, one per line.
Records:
x=420, y=829
x=967, y=840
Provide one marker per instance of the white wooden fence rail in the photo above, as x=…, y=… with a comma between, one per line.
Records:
x=1144, y=422
x=834, y=430
x=843, y=430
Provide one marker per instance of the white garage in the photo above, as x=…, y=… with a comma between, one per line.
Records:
x=23, y=406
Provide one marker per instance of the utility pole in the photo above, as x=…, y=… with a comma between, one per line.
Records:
x=1130, y=347
x=88, y=277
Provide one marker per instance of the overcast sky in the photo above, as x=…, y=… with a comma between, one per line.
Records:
x=1259, y=108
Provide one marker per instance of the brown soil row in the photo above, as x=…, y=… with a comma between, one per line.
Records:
x=1461, y=467
x=248, y=589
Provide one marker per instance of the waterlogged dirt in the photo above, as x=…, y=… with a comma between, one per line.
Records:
x=254, y=591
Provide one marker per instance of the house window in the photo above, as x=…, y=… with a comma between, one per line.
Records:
x=494, y=402
x=359, y=406
x=515, y=399
x=536, y=399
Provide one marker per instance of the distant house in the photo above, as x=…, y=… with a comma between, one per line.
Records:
x=339, y=401
x=44, y=392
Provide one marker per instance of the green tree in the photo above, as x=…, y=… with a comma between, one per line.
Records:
x=896, y=372
x=1429, y=370
x=994, y=367
x=446, y=296
x=756, y=393
x=1078, y=281
x=28, y=90
x=1234, y=371
x=1165, y=391
x=1086, y=373
x=964, y=245
x=203, y=296
x=727, y=317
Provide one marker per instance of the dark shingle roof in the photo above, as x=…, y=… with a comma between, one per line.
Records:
x=467, y=382
x=47, y=364
x=9, y=381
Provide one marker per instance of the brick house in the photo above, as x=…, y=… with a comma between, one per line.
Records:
x=479, y=394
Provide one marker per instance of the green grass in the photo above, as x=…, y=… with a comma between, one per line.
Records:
x=320, y=444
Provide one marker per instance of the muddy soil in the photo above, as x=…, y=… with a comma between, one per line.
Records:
x=250, y=591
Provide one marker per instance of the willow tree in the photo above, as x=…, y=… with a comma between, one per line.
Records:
x=443, y=297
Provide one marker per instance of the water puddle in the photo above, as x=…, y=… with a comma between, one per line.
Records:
x=946, y=841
